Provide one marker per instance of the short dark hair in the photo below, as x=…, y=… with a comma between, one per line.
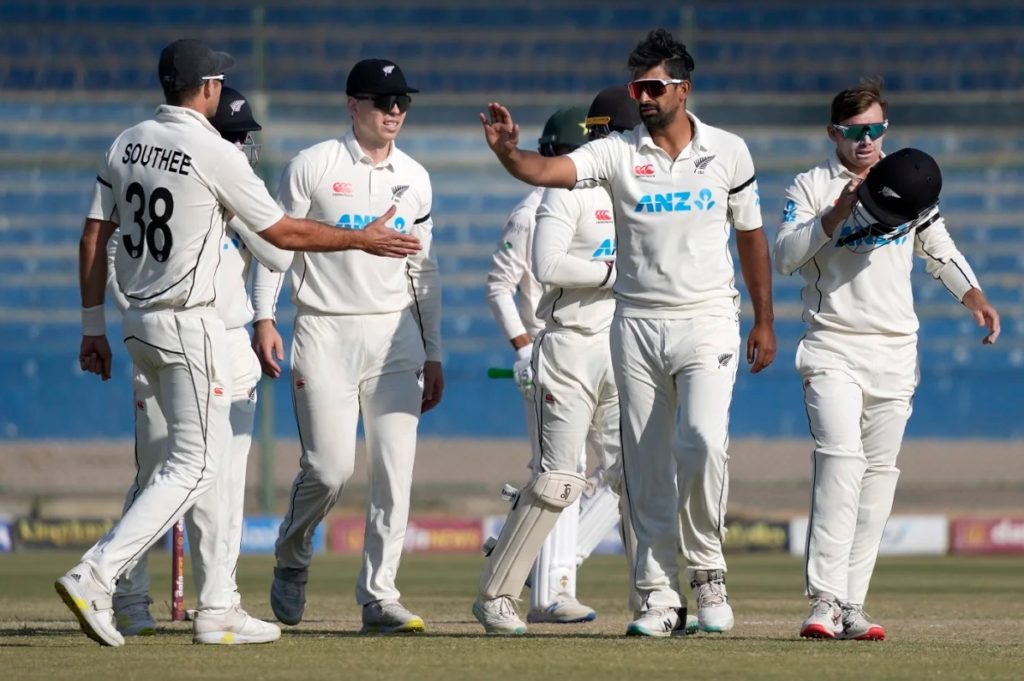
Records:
x=178, y=97
x=857, y=100
x=659, y=47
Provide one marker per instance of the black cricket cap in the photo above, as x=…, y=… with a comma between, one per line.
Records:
x=377, y=77
x=234, y=115
x=184, y=64
x=614, y=108
x=901, y=186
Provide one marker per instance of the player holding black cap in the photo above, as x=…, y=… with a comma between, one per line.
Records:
x=367, y=344
x=851, y=227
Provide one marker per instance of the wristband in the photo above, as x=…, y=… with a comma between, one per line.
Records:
x=94, y=322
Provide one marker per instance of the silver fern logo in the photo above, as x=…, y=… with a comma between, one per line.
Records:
x=701, y=163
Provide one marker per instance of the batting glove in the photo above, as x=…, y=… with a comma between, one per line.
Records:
x=522, y=370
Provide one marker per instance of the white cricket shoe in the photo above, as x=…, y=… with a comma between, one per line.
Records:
x=288, y=594
x=91, y=605
x=498, y=615
x=233, y=627
x=825, y=619
x=389, y=617
x=713, y=610
x=131, y=616
x=857, y=626
x=563, y=610
x=657, y=622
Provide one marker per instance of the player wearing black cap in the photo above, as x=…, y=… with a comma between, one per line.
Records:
x=851, y=227
x=367, y=344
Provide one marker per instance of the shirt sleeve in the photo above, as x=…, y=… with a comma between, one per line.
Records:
x=508, y=265
x=266, y=287
x=103, y=205
x=294, y=193
x=557, y=220
x=596, y=161
x=425, y=280
x=113, y=290
x=942, y=258
x=744, y=196
x=237, y=187
x=800, y=235
x=274, y=258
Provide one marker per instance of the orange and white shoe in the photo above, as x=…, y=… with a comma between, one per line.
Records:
x=858, y=627
x=825, y=620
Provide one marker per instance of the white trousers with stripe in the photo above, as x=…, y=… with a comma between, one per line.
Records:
x=217, y=515
x=675, y=471
x=184, y=357
x=575, y=408
x=858, y=390
x=344, y=367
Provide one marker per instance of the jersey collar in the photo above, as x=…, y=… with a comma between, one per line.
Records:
x=696, y=144
x=359, y=156
x=169, y=111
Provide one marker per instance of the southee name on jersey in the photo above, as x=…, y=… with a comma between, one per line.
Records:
x=170, y=160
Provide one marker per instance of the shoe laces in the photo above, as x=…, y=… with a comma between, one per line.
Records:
x=505, y=607
x=822, y=607
x=711, y=594
x=852, y=613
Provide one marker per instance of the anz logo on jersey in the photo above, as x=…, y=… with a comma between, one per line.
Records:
x=675, y=202
x=867, y=239
x=605, y=250
x=355, y=221
x=232, y=242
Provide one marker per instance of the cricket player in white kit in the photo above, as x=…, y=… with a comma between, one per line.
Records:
x=367, y=343
x=677, y=186
x=574, y=394
x=235, y=123
x=170, y=182
x=553, y=576
x=851, y=227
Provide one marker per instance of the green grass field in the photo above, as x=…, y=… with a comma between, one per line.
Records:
x=947, y=618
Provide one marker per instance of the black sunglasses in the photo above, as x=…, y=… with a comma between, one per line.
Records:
x=387, y=102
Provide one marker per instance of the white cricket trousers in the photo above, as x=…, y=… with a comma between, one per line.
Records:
x=576, y=406
x=217, y=515
x=344, y=366
x=858, y=390
x=183, y=355
x=665, y=367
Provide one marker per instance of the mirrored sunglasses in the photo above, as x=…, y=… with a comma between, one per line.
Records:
x=387, y=102
x=654, y=87
x=857, y=132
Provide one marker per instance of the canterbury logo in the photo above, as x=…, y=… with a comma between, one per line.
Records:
x=388, y=69
x=236, y=106
x=886, y=191
x=644, y=170
x=701, y=164
x=603, y=215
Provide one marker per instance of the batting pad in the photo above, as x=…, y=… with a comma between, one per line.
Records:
x=528, y=524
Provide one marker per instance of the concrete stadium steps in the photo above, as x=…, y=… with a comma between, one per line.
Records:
x=521, y=45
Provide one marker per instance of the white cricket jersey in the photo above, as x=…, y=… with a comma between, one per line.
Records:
x=511, y=270
x=337, y=183
x=673, y=218
x=862, y=286
x=573, y=257
x=169, y=183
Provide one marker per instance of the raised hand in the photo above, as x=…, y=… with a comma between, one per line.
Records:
x=501, y=131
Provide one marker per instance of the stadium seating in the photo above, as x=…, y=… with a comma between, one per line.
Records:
x=53, y=131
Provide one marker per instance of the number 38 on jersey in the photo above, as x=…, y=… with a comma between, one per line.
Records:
x=152, y=215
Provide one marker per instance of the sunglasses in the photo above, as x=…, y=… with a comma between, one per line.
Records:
x=387, y=102
x=654, y=87
x=857, y=132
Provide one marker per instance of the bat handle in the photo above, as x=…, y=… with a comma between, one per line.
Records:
x=499, y=372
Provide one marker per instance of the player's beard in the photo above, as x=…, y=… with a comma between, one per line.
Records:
x=655, y=118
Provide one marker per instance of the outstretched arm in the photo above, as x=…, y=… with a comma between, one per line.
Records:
x=502, y=134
